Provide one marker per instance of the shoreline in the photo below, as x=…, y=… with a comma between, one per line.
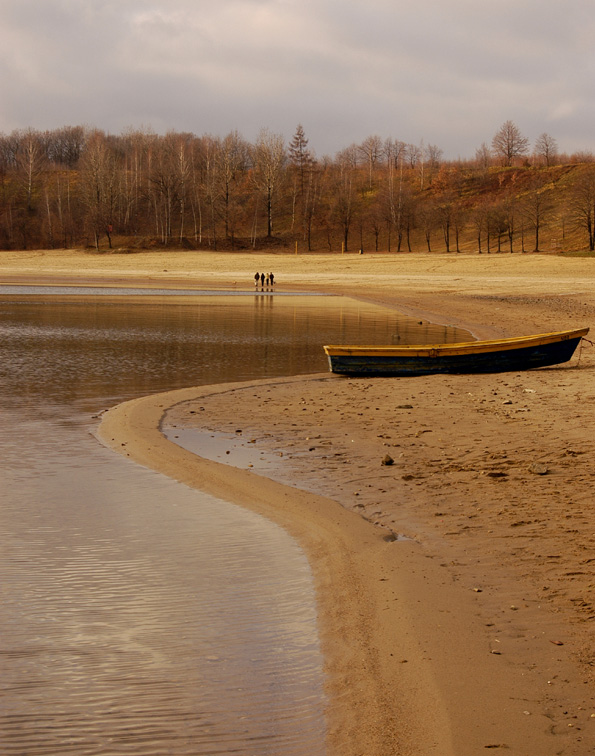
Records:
x=477, y=632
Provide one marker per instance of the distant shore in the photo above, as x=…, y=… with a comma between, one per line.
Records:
x=476, y=632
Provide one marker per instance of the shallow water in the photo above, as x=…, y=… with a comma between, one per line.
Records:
x=138, y=615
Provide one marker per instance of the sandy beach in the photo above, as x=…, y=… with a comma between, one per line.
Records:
x=455, y=585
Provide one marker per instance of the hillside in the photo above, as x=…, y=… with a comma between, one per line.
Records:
x=143, y=191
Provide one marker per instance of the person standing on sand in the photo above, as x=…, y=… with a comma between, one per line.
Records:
x=271, y=279
x=262, y=280
x=256, y=279
x=267, y=280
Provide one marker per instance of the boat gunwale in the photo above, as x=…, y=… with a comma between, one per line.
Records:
x=455, y=348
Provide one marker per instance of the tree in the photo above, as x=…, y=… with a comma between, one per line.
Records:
x=65, y=145
x=509, y=214
x=343, y=199
x=508, y=143
x=302, y=161
x=299, y=154
x=98, y=185
x=30, y=160
x=371, y=150
x=310, y=202
x=165, y=184
x=483, y=157
x=428, y=220
x=546, y=148
x=233, y=158
x=396, y=194
x=582, y=204
x=479, y=221
x=497, y=224
x=268, y=157
x=448, y=188
x=432, y=158
x=537, y=204
x=30, y=163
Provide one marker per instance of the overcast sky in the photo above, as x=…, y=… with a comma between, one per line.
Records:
x=448, y=72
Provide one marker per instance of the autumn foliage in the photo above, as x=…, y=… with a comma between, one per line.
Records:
x=82, y=187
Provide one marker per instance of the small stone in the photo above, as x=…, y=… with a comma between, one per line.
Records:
x=404, y=406
x=387, y=460
x=538, y=468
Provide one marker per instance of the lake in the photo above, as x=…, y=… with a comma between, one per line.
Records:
x=140, y=616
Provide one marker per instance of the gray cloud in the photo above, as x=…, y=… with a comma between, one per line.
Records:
x=445, y=71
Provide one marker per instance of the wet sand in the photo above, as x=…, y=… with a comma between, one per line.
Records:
x=476, y=632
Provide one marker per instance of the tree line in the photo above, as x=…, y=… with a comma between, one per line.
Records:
x=77, y=186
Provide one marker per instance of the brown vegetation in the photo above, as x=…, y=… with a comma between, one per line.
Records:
x=139, y=190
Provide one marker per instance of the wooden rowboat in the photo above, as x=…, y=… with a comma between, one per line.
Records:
x=497, y=356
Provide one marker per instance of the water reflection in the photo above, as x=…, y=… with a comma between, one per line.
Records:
x=70, y=349
x=140, y=616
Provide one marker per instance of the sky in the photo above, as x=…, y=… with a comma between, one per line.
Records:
x=443, y=72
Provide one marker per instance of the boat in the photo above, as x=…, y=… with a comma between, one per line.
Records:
x=496, y=356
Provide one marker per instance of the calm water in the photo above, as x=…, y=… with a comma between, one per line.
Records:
x=139, y=616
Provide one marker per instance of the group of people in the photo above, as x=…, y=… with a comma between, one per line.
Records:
x=262, y=278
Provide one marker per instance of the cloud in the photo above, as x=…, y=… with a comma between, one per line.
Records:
x=447, y=71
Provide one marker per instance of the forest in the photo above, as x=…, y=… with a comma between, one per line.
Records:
x=81, y=187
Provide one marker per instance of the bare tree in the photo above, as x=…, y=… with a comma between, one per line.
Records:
x=536, y=206
x=165, y=183
x=396, y=194
x=508, y=143
x=497, y=225
x=233, y=159
x=428, y=220
x=412, y=154
x=483, y=157
x=343, y=199
x=211, y=186
x=546, y=148
x=479, y=221
x=30, y=161
x=582, y=204
x=268, y=157
x=311, y=200
x=98, y=178
x=371, y=149
x=509, y=207
x=65, y=145
x=432, y=159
